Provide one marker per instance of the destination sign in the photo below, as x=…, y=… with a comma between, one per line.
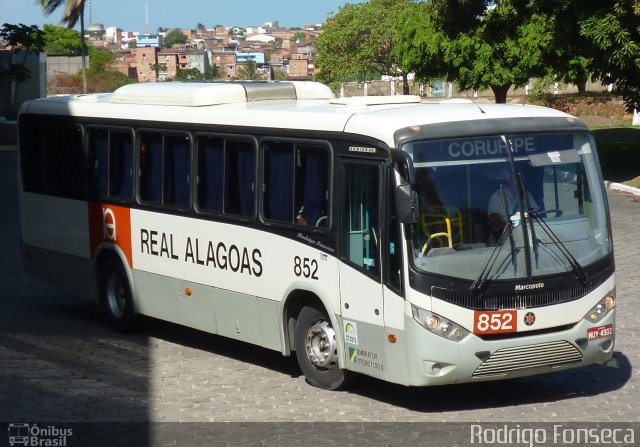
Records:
x=488, y=147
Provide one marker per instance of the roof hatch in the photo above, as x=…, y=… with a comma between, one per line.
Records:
x=195, y=94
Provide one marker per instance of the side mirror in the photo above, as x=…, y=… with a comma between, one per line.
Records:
x=406, y=204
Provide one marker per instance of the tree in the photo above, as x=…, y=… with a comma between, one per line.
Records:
x=214, y=72
x=420, y=46
x=298, y=36
x=200, y=27
x=614, y=33
x=189, y=74
x=249, y=71
x=27, y=38
x=357, y=43
x=174, y=37
x=161, y=71
x=74, y=10
x=479, y=44
x=61, y=41
x=506, y=48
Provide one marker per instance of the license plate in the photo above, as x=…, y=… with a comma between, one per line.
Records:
x=600, y=332
x=499, y=322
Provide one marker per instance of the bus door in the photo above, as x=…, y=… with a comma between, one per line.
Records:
x=361, y=293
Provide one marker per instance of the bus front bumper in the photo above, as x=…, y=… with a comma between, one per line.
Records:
x=434, y=360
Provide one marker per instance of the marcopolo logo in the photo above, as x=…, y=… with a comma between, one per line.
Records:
x=34, y=435
x=521, y=287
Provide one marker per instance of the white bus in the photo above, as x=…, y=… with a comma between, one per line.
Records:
x=422, y=244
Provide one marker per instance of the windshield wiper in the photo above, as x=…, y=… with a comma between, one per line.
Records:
x=477, y=287
x=577, y=269
x=511, y=243
x=521, y=201
x=534, y=238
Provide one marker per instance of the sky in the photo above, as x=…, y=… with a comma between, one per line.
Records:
x=130, y=14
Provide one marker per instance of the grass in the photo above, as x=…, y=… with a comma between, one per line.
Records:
x=619, y=151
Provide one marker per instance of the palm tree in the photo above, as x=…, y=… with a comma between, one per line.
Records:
x=249, y=71
x=73, y=10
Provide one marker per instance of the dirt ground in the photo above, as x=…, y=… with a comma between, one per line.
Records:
x=600, y=109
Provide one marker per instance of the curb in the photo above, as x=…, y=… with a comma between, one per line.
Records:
x=621, y=187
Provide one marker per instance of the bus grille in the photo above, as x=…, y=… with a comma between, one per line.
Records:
x=507, y=360
x=525, y=300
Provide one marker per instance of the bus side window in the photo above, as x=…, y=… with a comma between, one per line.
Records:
x=32, y=140
x=176, y=171
x=210, y=173
x=64, y=161
x=120, y=167
x=311, y=186
x=240, y=178
x=151, y=167
x=295, y=189
x=98, y=156
x=278, y=195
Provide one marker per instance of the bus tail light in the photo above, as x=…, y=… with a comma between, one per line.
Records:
x=438, y=325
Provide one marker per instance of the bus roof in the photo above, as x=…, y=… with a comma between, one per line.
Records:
x=282, y=105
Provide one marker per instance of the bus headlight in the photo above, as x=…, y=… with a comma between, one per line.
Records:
x=598, y=311
x=438, y=325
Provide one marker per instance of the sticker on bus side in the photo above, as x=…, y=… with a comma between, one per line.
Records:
x=112, y=224
x=495, y=322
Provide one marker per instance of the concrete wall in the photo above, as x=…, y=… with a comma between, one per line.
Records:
x=64, y=64
x=35, y=87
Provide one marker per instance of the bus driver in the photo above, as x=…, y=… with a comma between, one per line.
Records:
x=505, y=198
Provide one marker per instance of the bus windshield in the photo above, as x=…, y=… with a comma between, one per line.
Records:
x=518, y=205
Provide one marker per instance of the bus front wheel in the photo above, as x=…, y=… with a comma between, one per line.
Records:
x=115, y=296
x=317, y=351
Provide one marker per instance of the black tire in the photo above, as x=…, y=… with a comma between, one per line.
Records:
x=316, y=351
x=115, y=296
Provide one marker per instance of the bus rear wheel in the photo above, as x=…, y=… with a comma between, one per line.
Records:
x=317, y=352
x=115, y=296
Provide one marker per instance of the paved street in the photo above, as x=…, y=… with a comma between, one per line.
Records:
x=60, y=363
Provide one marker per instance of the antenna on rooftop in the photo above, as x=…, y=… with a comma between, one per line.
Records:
x=146, y=18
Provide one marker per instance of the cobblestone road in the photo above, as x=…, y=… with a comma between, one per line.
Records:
x=59, y=362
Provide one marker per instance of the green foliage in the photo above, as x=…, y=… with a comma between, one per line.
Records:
x=214, y=72
x=73, y=9
x=420, y=46
x=23, y=37
x=298, y=36
x=614, y=32
x=506, y=48
x=26, y=38
x=160, y=69
x=174, y=37
x=358, y=42
x=189, y=74
x=249, y=71
x=278, y=74
x=100, y=60
x=479, y=44
x=106, y=81
x=200, y=27
x=61, y=41
x=619, y=152
x=543, y=86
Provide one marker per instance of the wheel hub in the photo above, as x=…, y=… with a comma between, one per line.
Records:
x=321, y=345
x=116, y=297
